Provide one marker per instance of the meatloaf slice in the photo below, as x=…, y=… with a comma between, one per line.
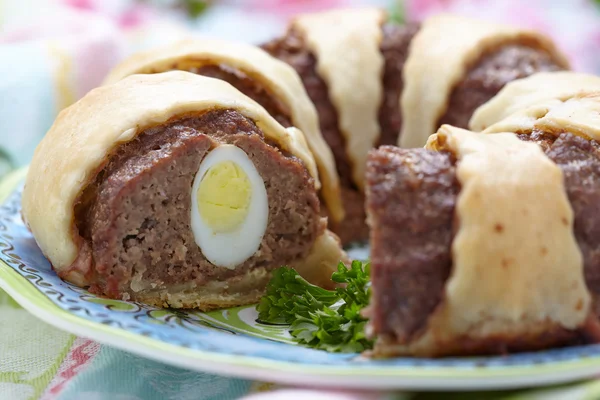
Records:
x=411, y=195
x=135, y=217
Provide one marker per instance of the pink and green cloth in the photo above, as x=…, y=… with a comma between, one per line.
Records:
x=54, y=51
x=38, y=361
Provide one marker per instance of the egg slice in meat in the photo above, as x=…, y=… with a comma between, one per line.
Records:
x=230, y=209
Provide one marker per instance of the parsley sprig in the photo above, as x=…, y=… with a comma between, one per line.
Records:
x=323, y=319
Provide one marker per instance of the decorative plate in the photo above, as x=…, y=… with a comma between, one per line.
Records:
x=231, y=342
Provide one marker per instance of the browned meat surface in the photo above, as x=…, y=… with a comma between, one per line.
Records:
x=410, y=201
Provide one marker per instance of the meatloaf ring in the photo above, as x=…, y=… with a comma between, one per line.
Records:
x=377, y=83
x=500, y=250
x=271, y=83
x=176, y=190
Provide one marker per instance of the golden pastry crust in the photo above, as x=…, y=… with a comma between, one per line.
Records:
x=577, y=113
x=77, y=145
x=523, y=93
x=277, y=77
x=454, y=43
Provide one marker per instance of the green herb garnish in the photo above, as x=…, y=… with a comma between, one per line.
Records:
x=319, y=318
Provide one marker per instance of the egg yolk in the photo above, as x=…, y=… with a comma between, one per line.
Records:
x=224, y=196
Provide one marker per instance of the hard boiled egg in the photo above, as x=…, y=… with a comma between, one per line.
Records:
x=230, y=209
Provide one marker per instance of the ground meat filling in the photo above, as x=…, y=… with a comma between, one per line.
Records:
x=394, y=47
x=136, y=215
x=411, y=198
x=251, y=88
x=487, y=76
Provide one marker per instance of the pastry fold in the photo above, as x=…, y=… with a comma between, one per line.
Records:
x=523, y=93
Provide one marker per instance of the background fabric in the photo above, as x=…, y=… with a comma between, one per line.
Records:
x=53, y=52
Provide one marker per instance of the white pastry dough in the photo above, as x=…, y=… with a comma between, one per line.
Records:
x=346, y=46
x=83, y=136
x=537, y=88
x=439, y=57
x=279, y=79
x=578, y=114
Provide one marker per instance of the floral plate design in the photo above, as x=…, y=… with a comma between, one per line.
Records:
x=231, y=342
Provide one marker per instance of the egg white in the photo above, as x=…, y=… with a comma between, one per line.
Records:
x=231, y=249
